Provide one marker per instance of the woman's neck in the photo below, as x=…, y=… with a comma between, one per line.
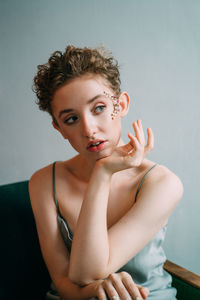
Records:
x=83, y=167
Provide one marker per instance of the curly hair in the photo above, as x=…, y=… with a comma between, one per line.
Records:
x=73, y=63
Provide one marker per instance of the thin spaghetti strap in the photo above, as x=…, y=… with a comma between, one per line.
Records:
x=143, y=178
x=64, y=227
x=54, y=187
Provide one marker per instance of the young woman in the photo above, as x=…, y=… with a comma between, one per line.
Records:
x=101, y=216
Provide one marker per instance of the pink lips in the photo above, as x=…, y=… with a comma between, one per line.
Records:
x=96, y=148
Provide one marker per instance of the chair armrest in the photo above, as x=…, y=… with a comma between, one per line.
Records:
x=182, y=273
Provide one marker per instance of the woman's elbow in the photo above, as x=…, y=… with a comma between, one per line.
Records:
x=79, y=279
x=84, y=277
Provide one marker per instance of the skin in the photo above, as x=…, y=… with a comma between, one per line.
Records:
x=90, y=188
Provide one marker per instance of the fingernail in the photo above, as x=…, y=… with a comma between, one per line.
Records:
x=138, y=298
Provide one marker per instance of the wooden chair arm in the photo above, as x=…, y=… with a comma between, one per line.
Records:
x=182, y=273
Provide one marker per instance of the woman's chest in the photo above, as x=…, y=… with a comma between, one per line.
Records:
x=121, y=199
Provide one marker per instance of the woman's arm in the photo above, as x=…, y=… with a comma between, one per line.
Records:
x=56, y=255
x=158, y=196
x=97, y=251
x=52, y=246
x=118, y=285
x=90, y=247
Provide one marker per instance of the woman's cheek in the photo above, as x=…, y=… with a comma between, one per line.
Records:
x=107, y=116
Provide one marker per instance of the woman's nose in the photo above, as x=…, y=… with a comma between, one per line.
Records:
x=88, y=127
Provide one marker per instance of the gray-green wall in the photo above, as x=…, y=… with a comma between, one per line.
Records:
x=157, y=44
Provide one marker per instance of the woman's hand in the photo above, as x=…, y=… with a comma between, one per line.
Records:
x=120, y=286
x=132, y=154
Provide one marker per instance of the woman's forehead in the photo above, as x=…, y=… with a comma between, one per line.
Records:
x=81, y=89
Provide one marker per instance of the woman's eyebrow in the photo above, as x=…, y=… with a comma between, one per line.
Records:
x=95, y=97
x=88, y=102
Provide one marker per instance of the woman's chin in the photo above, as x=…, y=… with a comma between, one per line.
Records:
x=95, y=156
x=104, y=154
x=99, y=155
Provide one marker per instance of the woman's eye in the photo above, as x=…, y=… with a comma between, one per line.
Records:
x=71, y=120
x=99, y=108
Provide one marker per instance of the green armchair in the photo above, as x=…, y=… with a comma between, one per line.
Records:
x=23, y=272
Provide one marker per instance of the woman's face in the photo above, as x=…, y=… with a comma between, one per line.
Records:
x=83, y=113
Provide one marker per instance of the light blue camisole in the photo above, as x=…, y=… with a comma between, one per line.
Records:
x=146, y=268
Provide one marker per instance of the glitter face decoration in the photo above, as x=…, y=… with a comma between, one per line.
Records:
x=115, y=102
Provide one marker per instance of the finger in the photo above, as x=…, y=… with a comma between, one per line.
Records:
x=150, y=141
x=122, y=290
x=132, y=288
x=134, y=141
x=115, y=282
x=129, y=147
x=101, y=294
x=139, y=133
x=110, y=290
x=144, y=291
x=138, y=148
x=141, y=130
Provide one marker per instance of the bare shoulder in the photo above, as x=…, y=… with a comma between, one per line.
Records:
x=41, y=183
x=41, y=178
x=161, y=172
x=160, y=175
x=40, y=186
x=41, y=174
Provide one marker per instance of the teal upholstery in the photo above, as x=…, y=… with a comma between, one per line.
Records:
x=185, y=291
x=23, y=272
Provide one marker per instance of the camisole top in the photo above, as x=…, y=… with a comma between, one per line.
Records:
x=146, y=267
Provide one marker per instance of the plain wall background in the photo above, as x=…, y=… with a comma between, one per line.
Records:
x=157, y=44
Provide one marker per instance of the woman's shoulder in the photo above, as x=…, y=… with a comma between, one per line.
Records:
x=158, y=170
x=40, y=186
x=42, y=180
x=42, y=175
x=155, y=174
x=46, y=173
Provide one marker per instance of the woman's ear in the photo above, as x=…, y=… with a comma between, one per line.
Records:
x=57, y=127
x=124, y=101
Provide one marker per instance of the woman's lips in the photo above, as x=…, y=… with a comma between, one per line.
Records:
x=96, y=148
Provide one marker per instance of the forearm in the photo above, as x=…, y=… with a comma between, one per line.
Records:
x=70, y=291
x=90, y=247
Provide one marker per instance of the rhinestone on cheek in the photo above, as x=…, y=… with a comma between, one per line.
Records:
x=115, y=101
